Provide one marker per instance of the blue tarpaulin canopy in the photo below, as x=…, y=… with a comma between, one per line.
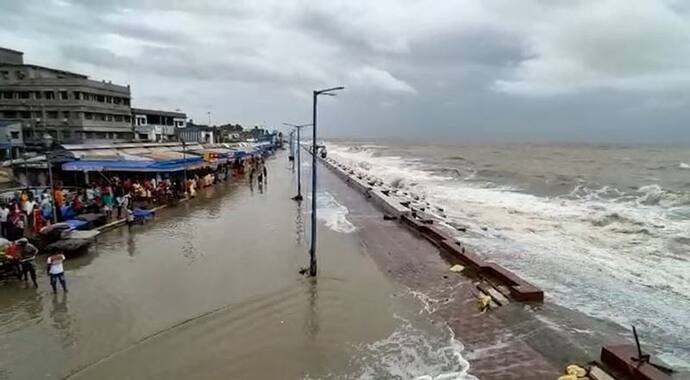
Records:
x=75, y=224
x=132, y=165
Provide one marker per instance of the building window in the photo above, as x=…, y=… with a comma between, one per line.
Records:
x=52, y=114
x=10, y=114
x=4, y=74
x=88, y=115
x=109, y=117
x=128, y=119
x=7, y=95
x=24, y=94
x=65, y=114
x=26, y=115
x=49, y=95
x=125, y=101
x=66, y=134
x=20, y=74
x=108, y=99
x=14, y=135
x=28, y=134
x=117, y=100
x=119, y=118
x=101, y=135
x=100, y=117
x=100, y=98
x=38, y=95
x=77, y=95
x=63, y=95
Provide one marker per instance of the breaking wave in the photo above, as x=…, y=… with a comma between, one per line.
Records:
x=410, y=353
x=612, y=253
x=333, y=214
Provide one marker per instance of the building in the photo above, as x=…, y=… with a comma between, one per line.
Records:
x=229, y=132
x=155, y=125
x=70, y=107
x=11, y=141
x=197, y=133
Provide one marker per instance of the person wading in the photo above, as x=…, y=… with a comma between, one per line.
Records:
x=27, y=254
x=56, y=271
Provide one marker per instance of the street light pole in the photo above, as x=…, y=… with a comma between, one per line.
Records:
x=312, y=248
x=9, y=140
x=298, y=197
x=184, y=163
x=26, y=166
x=48, y=141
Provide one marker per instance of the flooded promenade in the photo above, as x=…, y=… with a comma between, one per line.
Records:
x=210, y=289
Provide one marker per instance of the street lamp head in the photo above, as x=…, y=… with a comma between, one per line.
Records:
x=297, y=126
x=328, y=91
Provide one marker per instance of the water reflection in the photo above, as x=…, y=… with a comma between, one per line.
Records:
x=312, y=322
x=299, y=224
x=62, y=321
x=131, y=247
x=19, y=307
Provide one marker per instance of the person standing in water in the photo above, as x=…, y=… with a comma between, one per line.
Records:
x=27, y=253
x=56, y=271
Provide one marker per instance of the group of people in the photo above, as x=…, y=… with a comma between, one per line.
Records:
x=257, y=168
x=26, y=210
x=31, y=210
x=19, y=257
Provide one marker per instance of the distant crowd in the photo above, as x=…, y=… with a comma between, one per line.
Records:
x=115, y=196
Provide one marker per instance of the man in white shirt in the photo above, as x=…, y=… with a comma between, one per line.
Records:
x=56, y=271
x=4, y=213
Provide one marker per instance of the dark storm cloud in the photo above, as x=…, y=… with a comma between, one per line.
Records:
x=493, y=69
x=484, y=47
x=175, y=62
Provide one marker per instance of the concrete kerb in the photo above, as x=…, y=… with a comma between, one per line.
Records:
x=520, y=290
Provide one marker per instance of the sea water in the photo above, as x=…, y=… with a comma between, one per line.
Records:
x=603, y=229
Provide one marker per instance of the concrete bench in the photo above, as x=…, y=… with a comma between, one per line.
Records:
x=468, y=258
x=388, y=204
x=619, y=359
x=520, y=289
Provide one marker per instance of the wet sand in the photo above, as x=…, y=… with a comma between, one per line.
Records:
x=210, y=289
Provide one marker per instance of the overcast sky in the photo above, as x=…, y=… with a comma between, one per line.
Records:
x=472, y=70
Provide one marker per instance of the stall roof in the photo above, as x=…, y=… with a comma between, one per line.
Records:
x=132, y=165
x=166, y=155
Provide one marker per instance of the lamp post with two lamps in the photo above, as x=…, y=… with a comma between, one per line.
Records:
x=48, y=144
x=312, y=248
x=298, y=197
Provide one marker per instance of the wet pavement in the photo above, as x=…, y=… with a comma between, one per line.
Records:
x=210, y=289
